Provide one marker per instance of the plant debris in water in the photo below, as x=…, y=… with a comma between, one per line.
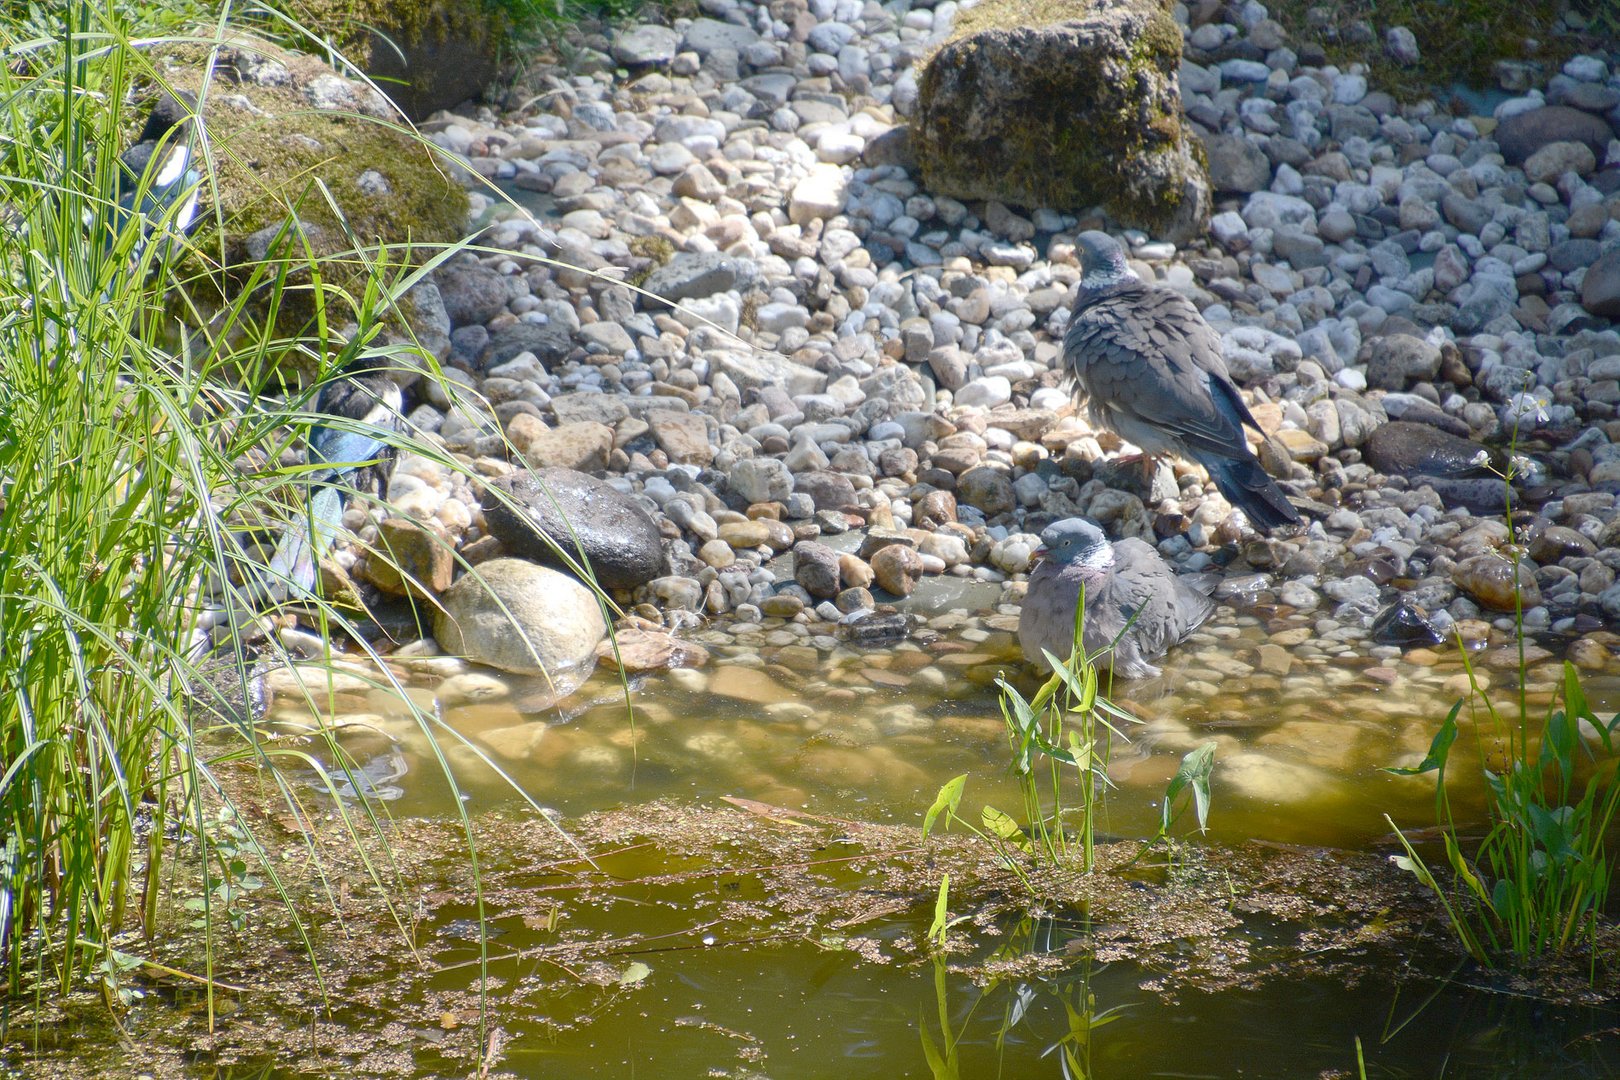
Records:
x=569, y=934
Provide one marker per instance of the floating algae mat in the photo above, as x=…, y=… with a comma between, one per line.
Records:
x=730, y=880
x=738, y=940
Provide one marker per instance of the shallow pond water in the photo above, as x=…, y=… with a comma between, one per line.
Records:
x=761, y=896
x=789, y=717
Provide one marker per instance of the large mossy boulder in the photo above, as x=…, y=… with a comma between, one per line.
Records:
x=303, y=163
x=1066, y=104
x=425, y=54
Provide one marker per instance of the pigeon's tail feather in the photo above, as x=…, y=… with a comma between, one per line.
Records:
x=1247, y=487
x=292, y=564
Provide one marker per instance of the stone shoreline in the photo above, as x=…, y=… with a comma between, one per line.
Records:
x=1393, y=286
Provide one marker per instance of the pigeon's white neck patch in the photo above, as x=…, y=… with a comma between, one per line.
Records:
x=1097, y=556
x=1104, y=276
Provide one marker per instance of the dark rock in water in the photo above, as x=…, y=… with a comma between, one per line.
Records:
x=1404, y=623
x=1481, y=496
x=1600, y=289
x=1521, y=135
x=1378, y=569
x=875, y=629
x=577, y=512
x=1558, y=542
x=1404, y=448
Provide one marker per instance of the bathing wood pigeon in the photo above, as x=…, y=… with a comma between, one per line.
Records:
x=1137, y=607
x=1151, y=370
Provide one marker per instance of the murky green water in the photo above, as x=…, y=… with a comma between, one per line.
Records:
x=698, y=962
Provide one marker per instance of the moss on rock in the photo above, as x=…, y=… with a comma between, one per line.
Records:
x=1067, y=104
x=281, y=128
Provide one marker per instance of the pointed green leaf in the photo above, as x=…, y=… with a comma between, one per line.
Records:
x=1439, y=748
x=948, y=799
x=936, y=931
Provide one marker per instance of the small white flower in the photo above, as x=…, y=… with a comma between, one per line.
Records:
x=1481, y=458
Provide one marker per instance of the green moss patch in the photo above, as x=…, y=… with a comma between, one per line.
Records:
x=270, y=155
x=1013, y=108
x=1458, y=40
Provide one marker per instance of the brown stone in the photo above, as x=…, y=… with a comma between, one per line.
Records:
x=683, y=436
x=1489, y=579
x=897, y=568
x=640, y=651
x=748, y=685
x=410, y=559
x=583, y=446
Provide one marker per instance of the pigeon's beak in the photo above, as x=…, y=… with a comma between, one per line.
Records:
x=1039, y=553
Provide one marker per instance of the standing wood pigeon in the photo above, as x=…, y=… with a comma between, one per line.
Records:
x=1136, y=606
x=1152, y=371
x=362, y=409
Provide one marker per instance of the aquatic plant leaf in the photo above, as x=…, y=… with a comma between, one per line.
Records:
x=1439, y=748
x=936, y=1061
x=1196, y=766
x=936, y=930
x=948, y=799
x=1003, y=827
x=633, y=974
x=1576, y=704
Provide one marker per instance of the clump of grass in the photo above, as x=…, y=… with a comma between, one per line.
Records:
x=1538, y=881
x=132, y=410
x=1061, y=741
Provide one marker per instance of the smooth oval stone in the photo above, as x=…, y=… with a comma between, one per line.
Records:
x=1402, y=448
x=1489, y=579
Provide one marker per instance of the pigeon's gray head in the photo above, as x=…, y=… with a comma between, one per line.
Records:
x=1076, y=540
x=1102, y=261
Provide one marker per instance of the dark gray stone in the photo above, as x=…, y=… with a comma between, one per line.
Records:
x=1600, y=289
x=473, y=293
x=1236, y=164
x=691, y=275
x=645, y=45
x=815, y=566
x=578, y=513
x=550, y=344
x=705, y=36
x=1403, y=623
x=1404, y=448
x=1572, y=254
x=1523, y=134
